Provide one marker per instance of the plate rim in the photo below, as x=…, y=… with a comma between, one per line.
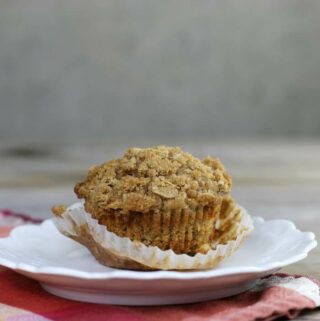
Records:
x=163, y=274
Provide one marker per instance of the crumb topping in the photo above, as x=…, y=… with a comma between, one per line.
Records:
x=58, y=210
x=153, y=179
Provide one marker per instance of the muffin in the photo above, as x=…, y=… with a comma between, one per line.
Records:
x=159, y=198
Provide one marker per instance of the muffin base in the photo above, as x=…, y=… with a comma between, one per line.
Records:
x=112, y=250
x=182, y=231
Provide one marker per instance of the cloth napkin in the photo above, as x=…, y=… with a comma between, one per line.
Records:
x=278, y=295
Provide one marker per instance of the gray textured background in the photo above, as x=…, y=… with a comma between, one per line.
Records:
x=81, y=70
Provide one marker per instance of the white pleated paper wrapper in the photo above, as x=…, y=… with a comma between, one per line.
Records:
x=151, y=256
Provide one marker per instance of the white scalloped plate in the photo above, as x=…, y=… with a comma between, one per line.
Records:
x=65, y=268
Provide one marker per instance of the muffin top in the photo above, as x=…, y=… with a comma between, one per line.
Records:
x=154, y=179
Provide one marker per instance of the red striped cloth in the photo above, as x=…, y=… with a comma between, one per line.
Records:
x=23, y=299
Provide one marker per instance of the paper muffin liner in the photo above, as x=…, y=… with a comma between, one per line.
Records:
x=121, y=252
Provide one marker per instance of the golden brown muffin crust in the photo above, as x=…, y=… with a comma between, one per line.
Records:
x=154, y=179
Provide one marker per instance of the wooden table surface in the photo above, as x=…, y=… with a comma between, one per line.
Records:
x=272, y=179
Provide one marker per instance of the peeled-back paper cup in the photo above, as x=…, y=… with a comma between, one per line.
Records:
x=121, y=252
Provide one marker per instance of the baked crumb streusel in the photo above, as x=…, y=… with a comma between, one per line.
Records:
x=161, y=178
